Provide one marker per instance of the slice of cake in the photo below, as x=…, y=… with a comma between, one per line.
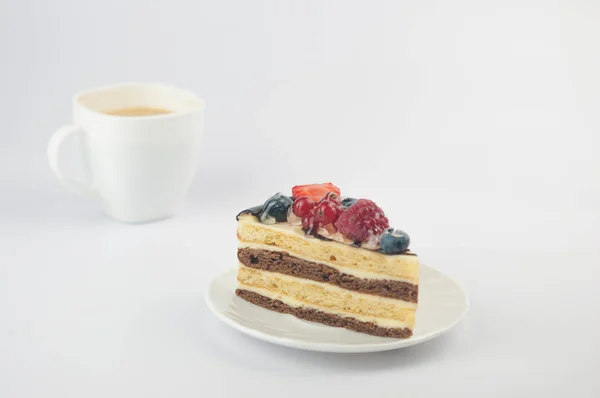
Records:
x=328, y=259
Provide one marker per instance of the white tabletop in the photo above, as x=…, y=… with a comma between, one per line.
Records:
x=473, y=124
x=91, y=307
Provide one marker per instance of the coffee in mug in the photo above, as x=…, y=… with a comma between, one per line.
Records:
x=139, y=111
x=140, y=144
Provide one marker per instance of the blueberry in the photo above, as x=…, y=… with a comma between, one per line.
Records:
x=275, y=209
x=347, y=202
x=394, y=241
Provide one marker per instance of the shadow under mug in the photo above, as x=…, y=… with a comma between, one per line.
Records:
x=139, y=168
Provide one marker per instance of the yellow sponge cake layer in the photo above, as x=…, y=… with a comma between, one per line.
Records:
x=298, y=292
x=349, y=259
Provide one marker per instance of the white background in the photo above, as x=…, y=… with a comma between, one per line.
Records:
x=474, y=124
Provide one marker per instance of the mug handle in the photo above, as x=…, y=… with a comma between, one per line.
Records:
x=54, y=145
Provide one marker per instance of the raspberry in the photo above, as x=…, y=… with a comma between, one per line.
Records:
x=362, y=221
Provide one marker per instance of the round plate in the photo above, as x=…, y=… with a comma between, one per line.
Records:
x=442, y=303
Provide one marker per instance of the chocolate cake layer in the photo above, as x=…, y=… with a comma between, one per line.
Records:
x=284, y=263
x=314, y=315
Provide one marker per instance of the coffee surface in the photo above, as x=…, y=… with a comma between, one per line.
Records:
x=138, y=111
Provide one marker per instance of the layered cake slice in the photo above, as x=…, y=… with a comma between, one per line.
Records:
x=328, y=259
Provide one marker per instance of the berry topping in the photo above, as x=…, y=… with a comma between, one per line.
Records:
x=302, y=206
x=315, y=191
x=326, y=212
x=363, y=221
x=394, y=241
x=275, y=209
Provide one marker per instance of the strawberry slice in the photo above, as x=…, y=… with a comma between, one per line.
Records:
x=314, y=191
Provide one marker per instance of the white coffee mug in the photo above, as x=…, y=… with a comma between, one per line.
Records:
x=138, y=167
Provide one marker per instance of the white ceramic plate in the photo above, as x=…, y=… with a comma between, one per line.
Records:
x=442, y=303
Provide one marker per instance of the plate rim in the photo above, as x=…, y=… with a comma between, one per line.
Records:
x=333, y=347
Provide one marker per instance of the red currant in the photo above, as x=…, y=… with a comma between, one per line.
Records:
x=326, y=212
x=303, y=206
x=310, y=225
